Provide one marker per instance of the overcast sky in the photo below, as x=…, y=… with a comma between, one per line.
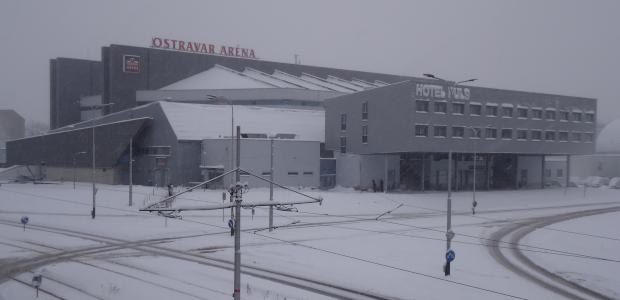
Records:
x=553, y=46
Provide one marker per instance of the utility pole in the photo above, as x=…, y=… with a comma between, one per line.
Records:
x=130, y=171
x=238, y=191
x=92, y=213
x=449, y=232
x=271, y=184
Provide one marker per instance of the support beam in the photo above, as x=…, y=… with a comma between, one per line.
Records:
x=542, y=173
x=423, y=170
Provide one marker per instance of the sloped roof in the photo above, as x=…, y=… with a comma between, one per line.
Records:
x=218, y=77
x=201, y=121
x=608, y=140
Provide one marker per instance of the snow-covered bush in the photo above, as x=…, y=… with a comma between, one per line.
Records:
x=614, y=183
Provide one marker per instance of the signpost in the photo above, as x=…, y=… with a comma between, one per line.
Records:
x=24, y=221
x=36, y=282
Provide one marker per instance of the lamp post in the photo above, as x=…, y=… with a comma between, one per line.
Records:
x=74, y=175
x=476, y=132
x=232, y=136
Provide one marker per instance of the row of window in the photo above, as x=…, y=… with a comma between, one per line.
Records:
x=267, y=173
x=504, y=133
x=458, y=108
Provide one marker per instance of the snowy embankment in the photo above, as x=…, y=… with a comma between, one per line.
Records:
x=341, y=243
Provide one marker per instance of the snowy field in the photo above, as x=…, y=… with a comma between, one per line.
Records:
x=334, y=250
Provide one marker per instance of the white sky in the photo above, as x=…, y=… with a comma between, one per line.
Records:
x=554, y=46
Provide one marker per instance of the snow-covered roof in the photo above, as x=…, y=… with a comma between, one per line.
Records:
x=608, y=140
x=200, y=121
x=218, y=77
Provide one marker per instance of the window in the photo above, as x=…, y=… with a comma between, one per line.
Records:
x=475, y=109
x=537, y=113
x=491, y=111
x=521, y=134
x=343, y=144
x=577, y=116
x=365, y=134
x=507, y=112
x=308, y=173
x=522, y=112
x=507, y=133
x=458, y=108
x=559, y=173
x=588, y=137
x=364, y=110
x=265, y=173
x=458, y=131
x=421, y=130
x=421, y=105
x=491, y=133
x=576, y=137
x=343, y=122
x=440, y=131
x=563, y=136
x=476, y=132
x=589, y=117
x=536, y=135
x=550, y=135
x=293, y=173
x=550, y=114
x=441, y=107
x=563, y=116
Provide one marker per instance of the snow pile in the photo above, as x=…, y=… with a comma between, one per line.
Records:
x=614, y=183
x=597, y=181
x=608, y=140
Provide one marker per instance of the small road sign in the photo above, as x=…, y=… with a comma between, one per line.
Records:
x=24, y=221
x=450, y=255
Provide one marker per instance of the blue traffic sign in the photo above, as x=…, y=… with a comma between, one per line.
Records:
x=24, y=220
x=450, y=255
x=231, y=224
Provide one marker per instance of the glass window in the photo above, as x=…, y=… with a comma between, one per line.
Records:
x=293, y=173
x=536, y=135
x=550, y=114
x=589, y=117
x=522, y=134
x=563, y=116
x=491, y=133
x=421, y=130
x=563, y=136
x=343, y=122
x=343, y=144
x=576, y=136
x=577, y=116
x=522, y=112
x=458, y=131
x=475, y=109
x=537, y=113
x=476, y=132
x=550, y=135
x=458, y=108
x=507, y=133
x=421, y=105
x=440, y=131
x=491, y=111
x=365, y=134
x=507, y=112
x=588, y=137
x=559, y=173
x=441, y=107
x=365, y=111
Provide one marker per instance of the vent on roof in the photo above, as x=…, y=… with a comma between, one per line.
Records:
x=254, y=135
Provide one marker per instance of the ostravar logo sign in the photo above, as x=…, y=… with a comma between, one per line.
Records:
x=131, y=64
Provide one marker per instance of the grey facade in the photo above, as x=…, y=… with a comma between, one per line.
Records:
x=12, y=126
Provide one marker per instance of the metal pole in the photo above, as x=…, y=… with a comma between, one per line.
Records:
x=567, y=174
x=449, y=208
x=237, y=174
x=385, y=175
x=423, y=169
x=92, y=213
x=474, y=203
x=74, y=175
x=271, y=186
x=232, y=151
x=130, y=171
x=237, y=282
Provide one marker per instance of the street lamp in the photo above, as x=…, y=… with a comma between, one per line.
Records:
x=74, y=175
x=448, y=81
x=476, y=132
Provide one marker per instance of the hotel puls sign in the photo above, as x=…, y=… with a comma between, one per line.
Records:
x=440, y=92
x=201, y=47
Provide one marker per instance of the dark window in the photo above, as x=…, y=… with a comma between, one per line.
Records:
x=476, y=132
x=440, y=131
x=308, y=173
x=475, y=109
x=537, y=135
x=576, y=137
x=589, y=117
x=365, y=134
x=266, y=173
x=343, y=144
x=507, y=133
x=563, y=115
x=550, y=135
x=491, y=111
x=365, y=111
x=293, y=173
x=441, y=107
x=458, y=131
x=421, y=105
x=458, y=108
x=491, y=133
x=507, y=112
x=537, y=114
x=577, y=116
x=522, y=134
x=559, y=173
x=421, y=130
x=522, y=112
x=588, y=137
x=343, y=122
x=563, y=136
x=550, y=114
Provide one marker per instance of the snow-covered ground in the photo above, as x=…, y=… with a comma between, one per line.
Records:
x=340, y=243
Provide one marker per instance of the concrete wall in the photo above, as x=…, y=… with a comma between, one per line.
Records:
x=605, y=165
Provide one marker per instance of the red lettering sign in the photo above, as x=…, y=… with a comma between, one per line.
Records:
x=198, y=47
